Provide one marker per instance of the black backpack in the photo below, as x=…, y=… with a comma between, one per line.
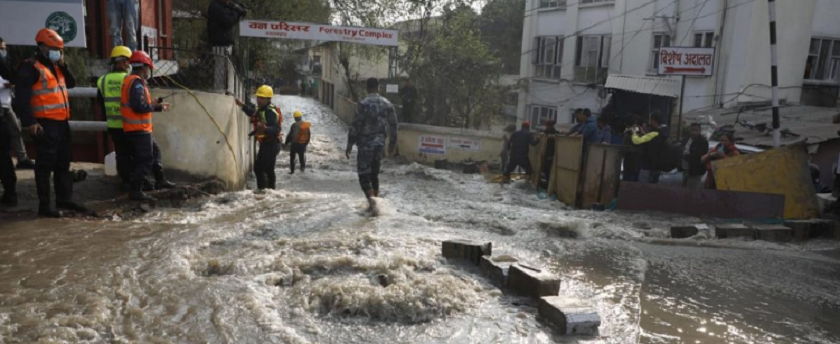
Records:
x=671, y=156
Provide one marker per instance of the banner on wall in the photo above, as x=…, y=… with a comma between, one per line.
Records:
x=432, y=144
x=20, y=21
x=318, y=32
x=465, y=144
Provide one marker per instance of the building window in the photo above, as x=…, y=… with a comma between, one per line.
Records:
x=552, y=3
x=592, y=58
x=542, y=113
x=823, y=61
x=547, y=57
x=584, y=2
x=704, y=39
x=660, y=40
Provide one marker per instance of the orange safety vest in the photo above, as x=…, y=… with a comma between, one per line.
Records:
x=133, y=121
x=303, y=133
x=49, y=95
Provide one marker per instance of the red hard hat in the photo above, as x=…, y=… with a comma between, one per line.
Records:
x=49, y=38
x=526, y=124
x=140, y=57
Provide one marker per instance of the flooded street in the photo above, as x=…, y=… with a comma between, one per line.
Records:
x=304, y=264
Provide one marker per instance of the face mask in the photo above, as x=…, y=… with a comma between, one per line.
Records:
x=55, y=55
x=3, y=54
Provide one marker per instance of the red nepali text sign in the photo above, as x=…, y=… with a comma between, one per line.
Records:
x=686, y=61
x=319, y=32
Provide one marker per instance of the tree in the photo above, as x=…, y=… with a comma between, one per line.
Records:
x=501, y=27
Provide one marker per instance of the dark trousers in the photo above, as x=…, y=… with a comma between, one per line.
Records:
x=7, y=168
x=125, y=154
x=368, y=165
x=298, y=150
x=264, y=165
x=518, y=161
x=54, y=156
x=142, y=144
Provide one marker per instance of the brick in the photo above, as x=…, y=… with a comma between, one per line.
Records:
x=734, y=231
x=496, y=269
x=466, y=250
x=569, y=315
x=528, y=281
x=683, y=232
x=777, y=233
x=809, y=229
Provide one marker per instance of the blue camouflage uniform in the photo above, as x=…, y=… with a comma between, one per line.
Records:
x=375, y=119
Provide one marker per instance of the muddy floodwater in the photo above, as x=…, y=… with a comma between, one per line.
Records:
x=304, y=264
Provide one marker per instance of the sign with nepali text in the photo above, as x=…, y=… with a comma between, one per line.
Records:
x=465, y=144
x=20, y=21
x=432, y=144
x=317, y=32
x=686, y=61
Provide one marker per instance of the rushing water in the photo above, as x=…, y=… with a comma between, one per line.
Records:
x=303, y=264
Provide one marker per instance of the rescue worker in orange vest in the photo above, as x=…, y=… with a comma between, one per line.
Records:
x=267, y=120
x=298, y=139
x=42, y=103
x=137, y=105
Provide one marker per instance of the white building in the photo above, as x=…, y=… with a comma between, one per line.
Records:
x=571, y=47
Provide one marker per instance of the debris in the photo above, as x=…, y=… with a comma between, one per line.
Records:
x=467, y=250
x=145, y=207
x=442, y=164
x=734, y=231
x=776, y=233
x=569, y=315
x=495, y=270
x=683, y=232
x=470, y=168
x=524, y=281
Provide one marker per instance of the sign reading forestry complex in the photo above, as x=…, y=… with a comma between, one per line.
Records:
x=318, y=32
x=686, y=61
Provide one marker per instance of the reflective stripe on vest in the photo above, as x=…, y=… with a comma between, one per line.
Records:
x=303, y=133
x=132, y=121
x=260, y=117
x=110, y=86
x=49, y=95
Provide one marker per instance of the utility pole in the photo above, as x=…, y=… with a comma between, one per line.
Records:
x=774, y=74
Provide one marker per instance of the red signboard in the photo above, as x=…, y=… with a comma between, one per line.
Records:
x=686, y=61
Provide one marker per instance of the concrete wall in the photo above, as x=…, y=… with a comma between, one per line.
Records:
x=408, y=140
x=345, y=109
x=191, y=143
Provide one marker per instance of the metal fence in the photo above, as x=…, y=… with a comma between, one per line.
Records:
x=196, y=70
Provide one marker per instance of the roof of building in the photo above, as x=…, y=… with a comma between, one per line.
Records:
x=659, y=86
x=816, y=124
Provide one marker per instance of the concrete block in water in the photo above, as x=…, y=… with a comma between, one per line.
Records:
x=529, y=281
x=682, y=232
x=734, y=231
x=776, y=233
x=496, y=269
x=569, y=315
x=467, y=250
x=808, y=229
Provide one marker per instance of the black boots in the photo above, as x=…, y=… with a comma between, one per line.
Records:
x=137, y=193
x=9, y=199
x=160, y=179
x=45, y=209
x=72, y=206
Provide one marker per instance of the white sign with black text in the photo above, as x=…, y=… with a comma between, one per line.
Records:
x=686, y=61
x=465, y=144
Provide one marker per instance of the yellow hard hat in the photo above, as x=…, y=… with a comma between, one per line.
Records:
x=121, y=51
x=265, y=91
x=297, y=114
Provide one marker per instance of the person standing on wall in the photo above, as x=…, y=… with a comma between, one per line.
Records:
x=222, y=17
x=44, y=107
x=108, y=97
x=7, y=76
x=136, y=106
x=267, y=121
x=122, y=14
x=375, y=120
x=298, y=139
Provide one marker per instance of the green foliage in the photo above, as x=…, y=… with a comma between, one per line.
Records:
x=501, y=27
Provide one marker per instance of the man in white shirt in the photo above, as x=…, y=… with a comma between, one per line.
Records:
x=6, y=114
